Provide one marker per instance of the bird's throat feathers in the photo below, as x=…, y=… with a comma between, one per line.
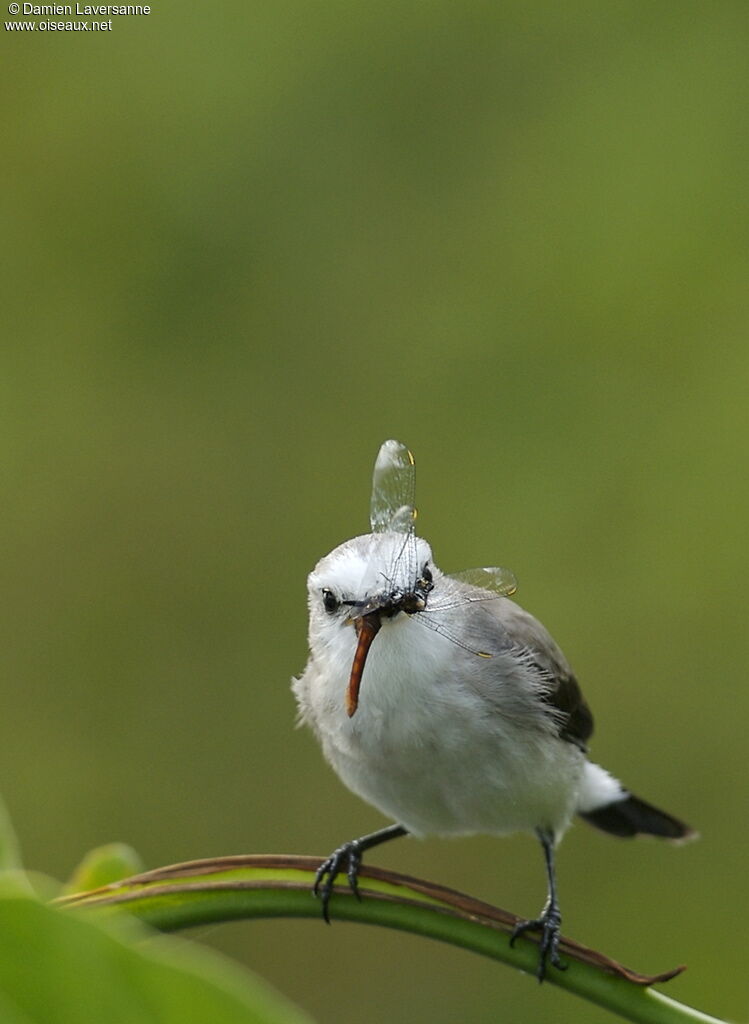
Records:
x=404, y=662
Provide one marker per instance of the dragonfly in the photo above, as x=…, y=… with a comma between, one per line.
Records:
x=405, y=585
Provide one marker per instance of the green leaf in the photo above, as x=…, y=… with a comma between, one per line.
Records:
x=56, y=968
x=261, y=886
x=10, y=855
x=103, y=865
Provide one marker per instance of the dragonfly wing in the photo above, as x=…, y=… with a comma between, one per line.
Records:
x=493, y=580
x=392, y=506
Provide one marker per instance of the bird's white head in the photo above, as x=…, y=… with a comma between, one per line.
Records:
x=365, y=582
x=386, y=576
x=375, y=577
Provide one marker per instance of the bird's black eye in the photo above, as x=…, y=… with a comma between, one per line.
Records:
x=426, y=573
x=329, y=600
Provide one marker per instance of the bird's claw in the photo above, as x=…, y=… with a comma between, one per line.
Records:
x=347, y=857
x=549, y=924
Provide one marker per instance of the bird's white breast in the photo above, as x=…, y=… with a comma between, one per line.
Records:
x=440, y=742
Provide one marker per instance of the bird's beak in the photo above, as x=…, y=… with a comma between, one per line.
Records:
x=367, y=627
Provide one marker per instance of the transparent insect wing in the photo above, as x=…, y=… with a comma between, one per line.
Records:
x=497, y=581
x=392, y=507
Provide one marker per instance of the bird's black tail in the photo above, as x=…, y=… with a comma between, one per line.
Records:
x=631, y=816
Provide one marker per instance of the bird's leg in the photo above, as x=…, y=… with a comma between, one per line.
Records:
x=550, y=921
x=348, y=857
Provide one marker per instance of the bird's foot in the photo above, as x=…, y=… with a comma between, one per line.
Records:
x=346, y=858
x=549, y=924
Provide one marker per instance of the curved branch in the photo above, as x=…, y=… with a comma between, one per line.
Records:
x=256, y=886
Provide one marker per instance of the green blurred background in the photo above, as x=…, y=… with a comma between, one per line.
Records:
x=245, y=243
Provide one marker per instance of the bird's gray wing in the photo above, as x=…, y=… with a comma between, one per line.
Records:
x=560, y=689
